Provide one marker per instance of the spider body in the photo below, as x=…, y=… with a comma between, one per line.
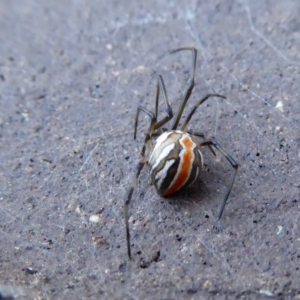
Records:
x=175, y=156
x=174, y=162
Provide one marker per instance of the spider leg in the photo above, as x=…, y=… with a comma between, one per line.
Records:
x=127, y=202
x=190, y=87
x=233, y=163
x=139, y=168
x=202, y=135
x=150, y=114
x=157, y=133
x=160, y=86
x=196, y=106
x=157, y=99
x=169, y=116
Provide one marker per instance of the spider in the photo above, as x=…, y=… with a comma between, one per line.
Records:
x=174, y=156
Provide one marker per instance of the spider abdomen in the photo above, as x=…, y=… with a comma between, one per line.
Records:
x=174, y=162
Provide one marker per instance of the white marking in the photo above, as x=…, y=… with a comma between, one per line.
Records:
x=201, y=158
x=265, y=292
x=279, y=230
x=180, y=132
x=108, y=46
x=159, y=141
x=162, y=155
x=162, y=138
x=94, y=218
x=279, y=106
x=161, y=175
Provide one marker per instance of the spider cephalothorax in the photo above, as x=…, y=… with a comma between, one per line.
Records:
x=174, y=157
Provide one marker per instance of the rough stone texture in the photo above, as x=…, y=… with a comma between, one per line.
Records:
x=71, y=76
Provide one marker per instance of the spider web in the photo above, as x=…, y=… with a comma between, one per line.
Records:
x=68, y=100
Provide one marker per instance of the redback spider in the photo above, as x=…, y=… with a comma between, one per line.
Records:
x=174, y=156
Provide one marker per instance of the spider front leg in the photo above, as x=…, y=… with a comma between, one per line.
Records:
x=128, y=199
x=154, y=125
x=159, y=86
x=233, y=163
x=202, y=135
x=190, y=87
x=139, y=168
x=201, y=101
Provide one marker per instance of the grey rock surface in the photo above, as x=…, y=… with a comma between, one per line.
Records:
x=71, y=76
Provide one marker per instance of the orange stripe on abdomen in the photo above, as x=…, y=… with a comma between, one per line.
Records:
x=184, y=168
